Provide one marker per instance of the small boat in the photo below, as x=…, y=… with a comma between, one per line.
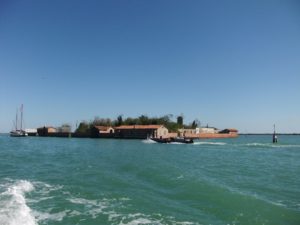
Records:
x=18, y=132
x=173, y=140
x=183, y=140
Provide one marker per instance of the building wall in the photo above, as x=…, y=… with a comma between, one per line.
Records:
x=108, y=131
x=51, y=130
x=134, y=133
x=186, y=132
x=63, y=129
x=162, y=132
x=208, y=130
x=212, y=135
x=96, y=133
x=45, y=131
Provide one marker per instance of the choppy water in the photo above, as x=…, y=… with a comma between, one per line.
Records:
x=62, y=181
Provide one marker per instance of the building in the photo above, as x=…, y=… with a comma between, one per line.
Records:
x=102, y=131
x=45, y=131
x=141, y=131
x=64, y=129
x=208, y=130
x=31, y=131
x=188, y=132
x=229, y=131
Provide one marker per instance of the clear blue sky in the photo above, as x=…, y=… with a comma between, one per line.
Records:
x=228, y=63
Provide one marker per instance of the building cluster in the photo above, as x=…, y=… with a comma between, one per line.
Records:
x=135, y=132
x=62, y=131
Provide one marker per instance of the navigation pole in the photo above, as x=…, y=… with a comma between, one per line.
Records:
x=274, y=135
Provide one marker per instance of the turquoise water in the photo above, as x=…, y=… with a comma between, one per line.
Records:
x=62, y=181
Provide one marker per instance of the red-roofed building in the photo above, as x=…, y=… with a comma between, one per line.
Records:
x=141, y=131
x=102, y=131
x=229, y=131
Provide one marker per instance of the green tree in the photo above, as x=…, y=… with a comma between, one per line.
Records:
x=131, y=121
x=144, y=120
x=180, y=120
x=194, y=124
x=119, y=121
x=83, y=128
x=101, y=121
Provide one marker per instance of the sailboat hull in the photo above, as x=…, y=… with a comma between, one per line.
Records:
x=18, y=133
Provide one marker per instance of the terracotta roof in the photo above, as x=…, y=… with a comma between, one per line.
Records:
x=232, y=130
x=102, y=128
x=46, y=127
x=129, y=127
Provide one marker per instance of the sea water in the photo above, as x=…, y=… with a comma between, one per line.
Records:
x=67, y=181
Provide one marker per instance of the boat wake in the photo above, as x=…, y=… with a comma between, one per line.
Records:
x=209, y=143
x=13, y=207
x=149, y=141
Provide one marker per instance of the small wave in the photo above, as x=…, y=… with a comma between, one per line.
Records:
x=41, y=216
x=270, y=145
x=13, y=207
x=155, y=219
x=97, y=207
x=139, y=221
x=209, y=143
x=259, y=144
x=180, y=177
x=138, y=218
x=111, y=207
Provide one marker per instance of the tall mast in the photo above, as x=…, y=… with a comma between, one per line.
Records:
x=21, y=116
x=16, y=120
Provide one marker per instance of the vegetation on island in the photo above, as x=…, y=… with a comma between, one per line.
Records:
x=166, y=120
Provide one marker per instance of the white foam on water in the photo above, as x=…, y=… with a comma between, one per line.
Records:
x=180, y=177
x=110, y=208
x=138, y=218
x=155, y=219
x=95, y=207
x=149, y=141
x=176, y=143
x=139, y=221
x=13, y=207
x=40, y=216
x=125, y=199
x=271, y=145
x=209, y=143
x=44, y=188
x=259, y=144
x=185, y=223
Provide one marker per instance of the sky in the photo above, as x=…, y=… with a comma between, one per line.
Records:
x=229, y=64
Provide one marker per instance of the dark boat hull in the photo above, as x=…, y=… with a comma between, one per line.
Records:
x=173, y=140
x=160, y=140
x=183, y=140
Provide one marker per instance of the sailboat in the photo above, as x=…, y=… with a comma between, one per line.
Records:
x=18, y=132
